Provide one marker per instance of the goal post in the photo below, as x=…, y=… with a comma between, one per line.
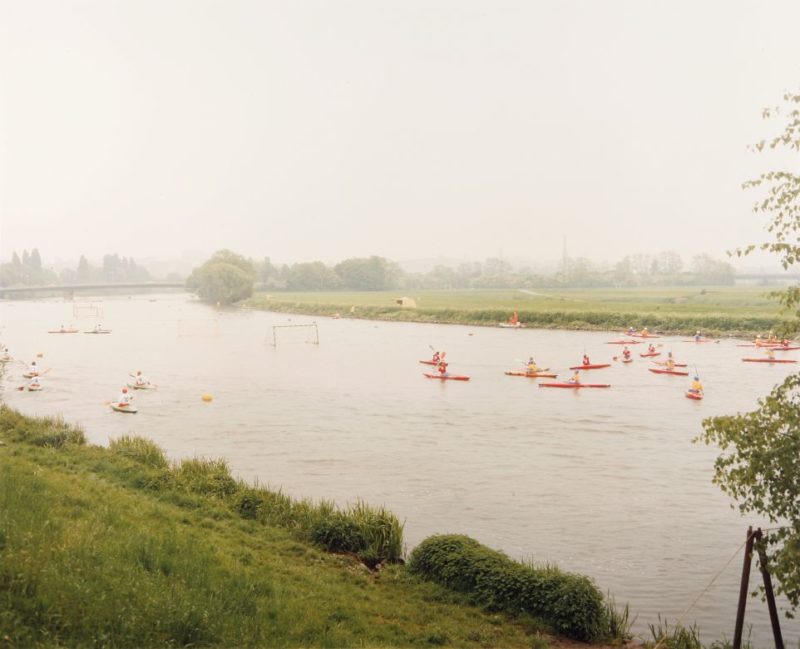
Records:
x=309, y=333
x=86, y=310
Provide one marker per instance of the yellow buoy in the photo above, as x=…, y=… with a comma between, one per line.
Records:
x=206, y=397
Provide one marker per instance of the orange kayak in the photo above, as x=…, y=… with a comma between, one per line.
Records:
x=446, y=377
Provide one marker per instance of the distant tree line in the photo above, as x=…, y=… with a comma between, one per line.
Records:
x=27, y=270
x=228, y=277
x=376, y=273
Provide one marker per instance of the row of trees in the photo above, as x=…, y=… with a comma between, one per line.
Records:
x=377, y=273
x=27, y=270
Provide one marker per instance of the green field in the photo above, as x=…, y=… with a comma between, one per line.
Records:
x=679, y=310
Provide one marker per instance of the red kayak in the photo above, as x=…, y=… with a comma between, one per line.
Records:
x=593, y=366
x=627, y=360
x=624, y=342
x=665, y=362
x=650, y=354
x=574, y=385
x=673, y=372
x=447, y=377
x=768, y=360
x=533, y=375
x=697, y=396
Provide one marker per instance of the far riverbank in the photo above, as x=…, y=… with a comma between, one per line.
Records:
x=715, y=311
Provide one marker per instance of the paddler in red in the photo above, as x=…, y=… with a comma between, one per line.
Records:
x=651, y=348
x=442, y=368
x=586, y=360
x=436, y=357
x=626, y=353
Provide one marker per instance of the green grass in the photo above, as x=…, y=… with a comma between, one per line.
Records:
x=111, y=547
x=680, y=310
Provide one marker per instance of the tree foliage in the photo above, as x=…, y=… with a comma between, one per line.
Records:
x=760, y=463
x=224, y=279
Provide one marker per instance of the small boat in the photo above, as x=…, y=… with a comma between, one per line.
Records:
x=511, y=325
x=627, y=360
x=697, y=396
x=533, y=375
x=574, y=385
x=143, y=386
x=446, y=377
x=98, y=331
x=124, y=407
x=6, y=359
x=650, y=354
x=768, y=360
x=624, y=342
x=672, y=372
x=71, y=330
x=591, y=366
x=34, y=388
x=29, y=375
x=665, y=362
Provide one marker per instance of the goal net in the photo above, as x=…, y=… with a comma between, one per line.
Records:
x=298, y=333
x=86, y=310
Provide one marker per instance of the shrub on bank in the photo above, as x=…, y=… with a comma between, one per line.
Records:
x=571, y=603
x=139, y=450
x=45, y=431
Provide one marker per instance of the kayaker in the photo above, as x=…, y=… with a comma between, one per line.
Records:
x=651, y=349
x=98, y=328
x=697, y=335
x=670, y=364
x=124, y=398
x=34, y=383
x=697, y=387
x=33, y=370
x=631, y=331
x=770, y=353
x=514, y=319
x=442, y=368
x=575, y=378
x=436, y=357
x=644, y=333
x=626, y=353
x=141, y=379
x=586, y=360
x=532, y=368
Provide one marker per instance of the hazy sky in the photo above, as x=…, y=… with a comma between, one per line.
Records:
x=308, y=130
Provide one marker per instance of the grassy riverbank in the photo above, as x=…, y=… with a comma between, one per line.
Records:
x=735, y=311
x=118, y=547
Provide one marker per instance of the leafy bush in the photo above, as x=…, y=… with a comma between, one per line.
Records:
x=571, y=603
x=338, y=533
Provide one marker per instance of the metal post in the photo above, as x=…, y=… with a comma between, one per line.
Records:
x=770, y=594
x=743, y=588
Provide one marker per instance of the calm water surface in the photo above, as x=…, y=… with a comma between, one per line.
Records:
x=602, y=482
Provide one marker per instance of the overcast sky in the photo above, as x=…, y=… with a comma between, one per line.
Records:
x=305, y=130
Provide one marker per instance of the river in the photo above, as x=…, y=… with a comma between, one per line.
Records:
x=603, y=482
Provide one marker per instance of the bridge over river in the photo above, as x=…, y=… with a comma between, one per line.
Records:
x=71, y=289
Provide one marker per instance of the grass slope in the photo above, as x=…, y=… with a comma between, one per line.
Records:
x=94, y=553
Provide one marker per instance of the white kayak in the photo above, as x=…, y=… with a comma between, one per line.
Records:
x=124, y=408
x=34, y=388
x=143, y=386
